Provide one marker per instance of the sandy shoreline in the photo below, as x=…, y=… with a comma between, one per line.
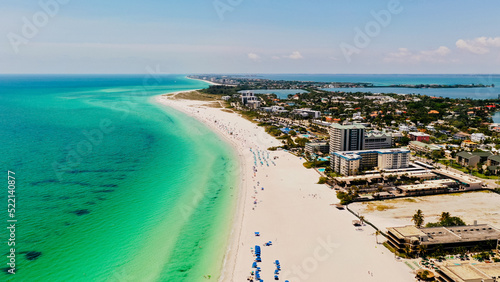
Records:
x=207, y=81
x=312, y=239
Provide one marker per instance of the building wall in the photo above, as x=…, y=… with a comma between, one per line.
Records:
x=370, y=160
x=321, y=147
x=346, y=167
x=393, y=161
x=381, y=141
x=344, y=138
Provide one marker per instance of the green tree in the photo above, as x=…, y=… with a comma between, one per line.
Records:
x=444, y=216
x=418, y=218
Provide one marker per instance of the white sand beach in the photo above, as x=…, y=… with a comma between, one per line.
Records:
x=313, y=240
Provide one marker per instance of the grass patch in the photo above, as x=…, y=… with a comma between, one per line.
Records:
x=249, y=115
x=213, y=105
x=409, y=200
x=195, y=95
x=378, y=207
x=455, y=194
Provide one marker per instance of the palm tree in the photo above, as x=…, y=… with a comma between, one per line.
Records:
x=421, y=250
x=362, y=219
x=408, y=250
x=418, y=218
x=444, y=216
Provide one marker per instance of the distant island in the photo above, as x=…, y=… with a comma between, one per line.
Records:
x=262, y=83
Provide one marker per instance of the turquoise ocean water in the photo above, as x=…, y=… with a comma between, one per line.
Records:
x=110, y=186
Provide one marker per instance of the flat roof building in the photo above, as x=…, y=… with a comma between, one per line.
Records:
x=427, y=187
x=353, y=162
x=446, y=237
x=418, y=146
x=470, y=272
x=314, y=147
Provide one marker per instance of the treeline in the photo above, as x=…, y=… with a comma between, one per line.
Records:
x=223, y=90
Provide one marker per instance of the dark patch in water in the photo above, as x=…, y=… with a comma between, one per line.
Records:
x=109, y=185
x=64, y=198
x=90, y=203
x=90, y=171
x=101, y=198
x=78, y=183
x=81, y=212
x=32, y=255
x=67, y=223
x=104, y=191
x=43, y=182
x=6, y=270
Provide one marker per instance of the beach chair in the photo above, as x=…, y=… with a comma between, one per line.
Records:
x=276, y=277
x=257, y=233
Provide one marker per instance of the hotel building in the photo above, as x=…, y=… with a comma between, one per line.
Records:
x=353, y=162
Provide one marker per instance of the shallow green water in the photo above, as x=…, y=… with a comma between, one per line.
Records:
x=111, y=187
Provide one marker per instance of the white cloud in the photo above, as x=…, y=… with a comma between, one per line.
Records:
x=404, y=55
x=479, y=45
x=275, y=57
x=295, y=56
x=253, y=57
x=441, y=51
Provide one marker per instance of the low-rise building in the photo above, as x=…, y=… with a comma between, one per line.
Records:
x=418, y=146
x=461, y=136
x=468, y=144
x=315, y=147
x=494, y=160
x=445, y=237
x=307, y=113
x=428, y=187
x=419, y=136
x=469, y=272
x=477, y=137
x=472, y=158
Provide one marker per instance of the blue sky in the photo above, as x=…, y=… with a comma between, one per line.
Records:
x=250, y=36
